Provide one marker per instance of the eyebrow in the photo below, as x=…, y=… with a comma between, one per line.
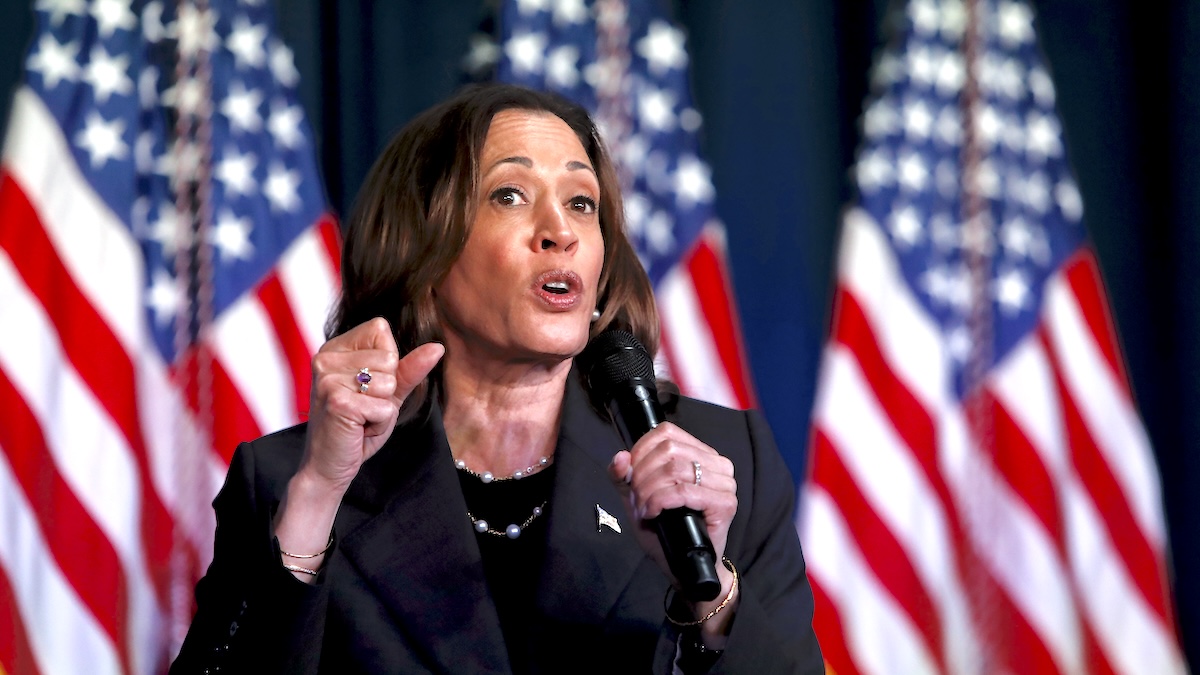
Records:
x=528, y=163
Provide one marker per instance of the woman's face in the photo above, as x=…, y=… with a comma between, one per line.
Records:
x=525, y=285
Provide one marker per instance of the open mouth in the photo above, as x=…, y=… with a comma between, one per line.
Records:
x=556, y=287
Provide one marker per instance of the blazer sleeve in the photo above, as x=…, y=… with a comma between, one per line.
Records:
x=772, y=631
x=252, y=615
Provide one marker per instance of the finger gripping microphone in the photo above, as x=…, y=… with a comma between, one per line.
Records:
x=620, y=374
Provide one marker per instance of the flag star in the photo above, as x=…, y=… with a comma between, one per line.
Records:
x=236, y=171
x=561, y=70
x=231, y=235
x=945, y=176
x=166, y=231
x=637, y=209
x=1011, y=290
x=152, y=26
x=1069, y=201
x=187, y=96
x=241, y=107
x=527, y=7
x=959, y=344
x=195, y=30
x=1042, y=87
x=913, y=173
x=247, y=42
x=1042, y=137
x=633, y=152
x=604, y=75
x=663, y=48
x=148, y=88
x=482, y=53
x=942, y=232
x=164, y=297
x=905, y=226
x=918, y=122
x=143, y=152
x=656, y=109
x=107, y=74
x=181, y=163
x=988, y=125
x=690, y=120
x=1014, y=136
x=611, y=15
x=953, y=18
x=977, y=237
x=922, y=67
x=948, y=128
x=880, y=119
x=61, y=9
x=282, y=188
x=1014, y=23
x=54, y=60
x=1037, y=192
x=111, y=15
x=951, y=74
x=693, y=182
x=937, y=282
x=888, y=71
x=284, y=124
x=986, y=180
x=660, y=235
x=102, y=140
x=526, y=51
x=1008, y=79
x=1020, y=239
x=569, y=12
x=924, y=16
x=283, y=64
x=874, y=170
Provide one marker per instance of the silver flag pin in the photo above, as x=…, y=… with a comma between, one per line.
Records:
x=604, y=518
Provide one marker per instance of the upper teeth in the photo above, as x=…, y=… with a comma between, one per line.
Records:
x=556, y=286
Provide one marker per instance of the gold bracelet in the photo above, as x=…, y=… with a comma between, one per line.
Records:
x=310, y=556
x=302, y=570
x=716, y=610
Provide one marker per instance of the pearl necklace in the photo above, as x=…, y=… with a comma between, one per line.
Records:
x=512, y=531
x=488, y=477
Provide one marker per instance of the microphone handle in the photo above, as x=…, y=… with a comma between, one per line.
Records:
x=681, y=531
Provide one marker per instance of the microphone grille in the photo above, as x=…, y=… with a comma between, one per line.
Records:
x=614, y=357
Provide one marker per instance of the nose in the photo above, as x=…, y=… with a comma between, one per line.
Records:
x=555, y=229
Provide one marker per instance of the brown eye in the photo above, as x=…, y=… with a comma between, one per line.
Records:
x=583, y=204
x=508, y=196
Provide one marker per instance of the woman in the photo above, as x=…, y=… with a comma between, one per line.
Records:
x=454, y=504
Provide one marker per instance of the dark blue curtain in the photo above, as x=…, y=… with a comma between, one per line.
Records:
x=780, y=83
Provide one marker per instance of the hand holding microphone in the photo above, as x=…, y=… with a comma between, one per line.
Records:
x=683, y=489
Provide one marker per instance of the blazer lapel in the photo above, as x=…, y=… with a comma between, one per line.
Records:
x=405, y=519
x=587, y=564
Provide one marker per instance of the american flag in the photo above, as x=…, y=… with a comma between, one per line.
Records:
x=627, y=64
x=166, y=265
x=982, y=496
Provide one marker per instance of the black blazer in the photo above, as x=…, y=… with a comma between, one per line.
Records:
x=403, y=589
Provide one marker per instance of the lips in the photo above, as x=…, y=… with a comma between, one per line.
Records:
x=560, y=289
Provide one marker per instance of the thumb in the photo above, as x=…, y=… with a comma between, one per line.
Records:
x=415, y=367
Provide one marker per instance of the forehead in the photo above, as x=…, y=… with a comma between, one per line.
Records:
x=526, y=133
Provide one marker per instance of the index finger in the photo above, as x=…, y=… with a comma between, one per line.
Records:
x=373, y=334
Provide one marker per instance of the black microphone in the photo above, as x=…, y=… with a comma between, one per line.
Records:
x=620, y=374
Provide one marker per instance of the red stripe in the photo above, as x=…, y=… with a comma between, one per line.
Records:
x=1015, y=644
x=1083, y=276
x=16, y=655
x=1097, y=662
x=886, y=557
x=1021, y=466
x=83, y=553
x=1129, y=543
x=713, y=292
x=96, y=355
x=331, y=238
x=224, y=411
x=291, y=340
x=827, y=622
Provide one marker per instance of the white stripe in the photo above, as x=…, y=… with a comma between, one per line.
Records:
x=878, y=633
x=1107, y=412
x=897, y=490
x=310, y=284
x=89, y=452
x=62, y=633
x=697, y=365
x=247, y=345
x=910, y=341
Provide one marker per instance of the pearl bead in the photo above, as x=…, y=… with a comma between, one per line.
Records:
x=513, y=531
x=544, y=461
x=537, y=511
x=519, y=475
x=460, y=465
x=486, y=477
x=481, y=525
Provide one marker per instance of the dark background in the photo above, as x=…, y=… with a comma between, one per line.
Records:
x=780, y=84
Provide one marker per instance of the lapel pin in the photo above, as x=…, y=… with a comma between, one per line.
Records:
x=604, y=518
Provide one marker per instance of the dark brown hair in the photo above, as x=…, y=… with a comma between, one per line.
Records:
x=413, y=214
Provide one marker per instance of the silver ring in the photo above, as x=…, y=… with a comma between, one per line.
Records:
x=699, y=473
x=364, y=380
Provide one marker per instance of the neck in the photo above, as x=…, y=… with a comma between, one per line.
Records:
x=502, y=418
